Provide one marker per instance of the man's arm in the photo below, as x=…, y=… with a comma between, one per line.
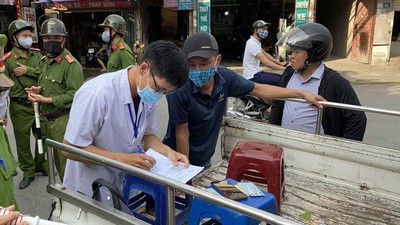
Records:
x=135, y=159
x=271, y=92
x=265, y=61
x=270, y=57
x=182, y=138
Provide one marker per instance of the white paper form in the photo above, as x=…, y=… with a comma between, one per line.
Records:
x=166, y=168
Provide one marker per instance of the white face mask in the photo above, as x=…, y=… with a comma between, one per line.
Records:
x=25, y=43
x=105, y=36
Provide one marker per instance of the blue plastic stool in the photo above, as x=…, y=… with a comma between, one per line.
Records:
x=202, y=209
x=154, y=196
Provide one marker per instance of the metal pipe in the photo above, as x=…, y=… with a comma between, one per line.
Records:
x=175, y=185
x=348, y=106
x=50, y=160
x=170, y=195
x=319, y=121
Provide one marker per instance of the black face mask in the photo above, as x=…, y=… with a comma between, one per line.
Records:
x=53, y=48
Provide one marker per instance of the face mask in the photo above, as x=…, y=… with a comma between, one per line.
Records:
x=25, y=43
x=148, y=95
x=53, y=48
x=106, y=36
x=201, y=77
x=262, y=34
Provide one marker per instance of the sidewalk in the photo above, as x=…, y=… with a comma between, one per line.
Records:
x=355, y=72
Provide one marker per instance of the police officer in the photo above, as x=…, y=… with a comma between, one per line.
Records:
x=22, y=66
x=61, y=77
x=7, y=162
x=121, y=55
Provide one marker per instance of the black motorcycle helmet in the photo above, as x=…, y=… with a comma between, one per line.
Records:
x=314, y=38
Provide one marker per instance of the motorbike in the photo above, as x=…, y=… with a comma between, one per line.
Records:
x=249, y=107
x=91, y=59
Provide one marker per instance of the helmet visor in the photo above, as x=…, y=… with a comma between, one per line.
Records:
x=294, y=39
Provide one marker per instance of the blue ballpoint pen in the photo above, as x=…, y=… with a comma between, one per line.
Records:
x=141, y=149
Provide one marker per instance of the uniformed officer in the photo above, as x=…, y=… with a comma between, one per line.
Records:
x=7, y=162
x=61, y=76
x=121, y=55
x=22, y=66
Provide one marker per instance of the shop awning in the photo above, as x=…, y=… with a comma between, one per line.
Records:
x=85, y=4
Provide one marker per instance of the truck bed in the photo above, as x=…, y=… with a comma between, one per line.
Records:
x=330, y=202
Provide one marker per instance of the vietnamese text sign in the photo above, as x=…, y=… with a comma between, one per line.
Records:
x=203, y=19
x=29, y=16
x=301, y=12
x=185, y=4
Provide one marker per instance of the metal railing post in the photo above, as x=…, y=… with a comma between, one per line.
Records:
x=319, y=121
x=50, y=161
x=170, y=195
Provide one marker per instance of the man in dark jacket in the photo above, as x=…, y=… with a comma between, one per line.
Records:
x=307, y=46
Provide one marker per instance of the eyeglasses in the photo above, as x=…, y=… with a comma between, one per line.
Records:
x=158, y=90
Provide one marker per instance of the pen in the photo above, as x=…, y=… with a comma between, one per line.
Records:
x=141, y=149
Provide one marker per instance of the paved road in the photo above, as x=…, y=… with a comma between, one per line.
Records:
x=382, y=131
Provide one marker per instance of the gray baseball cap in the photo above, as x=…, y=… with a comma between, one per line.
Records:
x=200, y=44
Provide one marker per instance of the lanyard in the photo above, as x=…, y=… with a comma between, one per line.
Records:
x=134, y=125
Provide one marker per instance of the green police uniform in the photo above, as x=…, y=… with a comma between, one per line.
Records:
x=121, y=57
x=60, y=79
x=7, y=165
x=21, y=109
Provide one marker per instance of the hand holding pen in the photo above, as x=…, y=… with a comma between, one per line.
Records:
x=140, y=160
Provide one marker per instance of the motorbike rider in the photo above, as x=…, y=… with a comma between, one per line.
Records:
x=308, y=45
x=22, y=66
x=254, y=54
x=121, y=55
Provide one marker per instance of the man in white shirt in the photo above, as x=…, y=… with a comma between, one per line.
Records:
x=254, y=54
x=113, y=114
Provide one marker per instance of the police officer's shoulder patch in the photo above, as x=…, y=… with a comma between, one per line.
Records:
x=34, y=49
x=69, y=58
x=121, y=45
x=6, y=56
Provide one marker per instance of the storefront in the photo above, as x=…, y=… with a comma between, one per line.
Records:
x=79, y=16
x=231, y=22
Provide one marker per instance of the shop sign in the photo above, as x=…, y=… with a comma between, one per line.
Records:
x=203, y=19
x=29, y=16
x=170, y=3
x=185, y=4
x=88, y=4
x=301, y=12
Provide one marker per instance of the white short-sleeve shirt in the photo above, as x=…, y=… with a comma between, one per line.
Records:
x=100, y=116
x=251, y=64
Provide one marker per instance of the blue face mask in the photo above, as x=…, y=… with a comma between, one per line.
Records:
x=201, y=77
x=106, y=36
x=262, y=34
x=25, y=43
x=148, y=95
